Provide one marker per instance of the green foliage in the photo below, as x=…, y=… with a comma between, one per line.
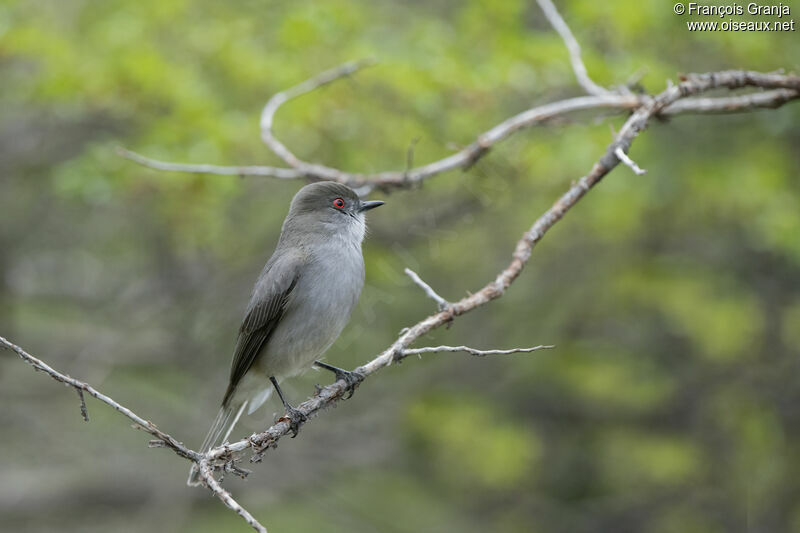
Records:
x=634, y=460
x=705, y=308
x=471, y=445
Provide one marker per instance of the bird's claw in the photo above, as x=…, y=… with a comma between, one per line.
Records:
x=295, y=417
x=351, y=378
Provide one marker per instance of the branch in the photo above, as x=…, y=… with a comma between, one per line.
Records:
x=82, y=387
x=480, y=147
x=622, y=156
x=398, y=350
x=271, y=172
x=268, y=114
x=206, y=473
x=163, y=439
x=391, y=179
x=441, y=302
x=573, y=47
x=601, y=98
x=733, y=104
x=472, y=351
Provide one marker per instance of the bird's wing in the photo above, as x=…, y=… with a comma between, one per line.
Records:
x=265, y=310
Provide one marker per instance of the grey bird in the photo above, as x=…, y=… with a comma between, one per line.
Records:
x=300, y=303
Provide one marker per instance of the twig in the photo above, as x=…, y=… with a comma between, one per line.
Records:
x=268, y=114
x=732, y=104
x=622, y=156
x=272, y=172
x=573, y=47
x=460, y=159
x=441, y=302
x=82, y=387
x=405, y=178
x=208, y=477
x=472, y=351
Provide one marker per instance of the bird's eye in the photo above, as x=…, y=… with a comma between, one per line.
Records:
x=338, y=203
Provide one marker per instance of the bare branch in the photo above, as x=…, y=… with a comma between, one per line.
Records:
x=441, y=302
x=326, y=396
x=461, y=159
x=478, y=148
x=472, y=351
x=622, y=156
x=573, y=47
x=405, y=178
x=82, y=387
x=163, y=440
x=733, y=104
x=268, y=114
x=272, y=172
x=208, y=478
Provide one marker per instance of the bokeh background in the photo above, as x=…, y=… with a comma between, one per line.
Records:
x=672, y=400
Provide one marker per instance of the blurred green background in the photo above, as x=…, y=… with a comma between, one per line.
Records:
x=672, y=400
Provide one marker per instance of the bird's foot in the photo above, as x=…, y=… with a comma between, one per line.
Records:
x=296, y=419
x=295, y=416
x=352, y=379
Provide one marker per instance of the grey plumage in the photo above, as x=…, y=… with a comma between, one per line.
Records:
x=301, y=301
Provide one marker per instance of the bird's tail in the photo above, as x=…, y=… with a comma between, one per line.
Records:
x=220, y=430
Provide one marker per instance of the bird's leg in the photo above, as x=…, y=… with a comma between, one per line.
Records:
x=353, y=379
x=295, y=417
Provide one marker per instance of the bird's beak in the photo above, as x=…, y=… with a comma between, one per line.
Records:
x=366, y=206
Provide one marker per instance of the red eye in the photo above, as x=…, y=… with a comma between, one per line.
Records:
x=338, y=203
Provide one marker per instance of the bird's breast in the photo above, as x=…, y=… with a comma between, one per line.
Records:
x=318, y=309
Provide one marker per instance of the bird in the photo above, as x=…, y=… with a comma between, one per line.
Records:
x=299, y=305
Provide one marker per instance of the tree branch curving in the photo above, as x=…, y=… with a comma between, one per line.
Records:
x=469, y=155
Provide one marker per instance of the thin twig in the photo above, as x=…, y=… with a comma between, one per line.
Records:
x=208, y=478
x=268, y=114
x=82, y=387
x=622, y=156
x=732, y=104
x=272, y=172
x=472, y=351
x=441, y=302
x=573, y=47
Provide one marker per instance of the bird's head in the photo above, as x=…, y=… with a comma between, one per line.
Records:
x=329, y=208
